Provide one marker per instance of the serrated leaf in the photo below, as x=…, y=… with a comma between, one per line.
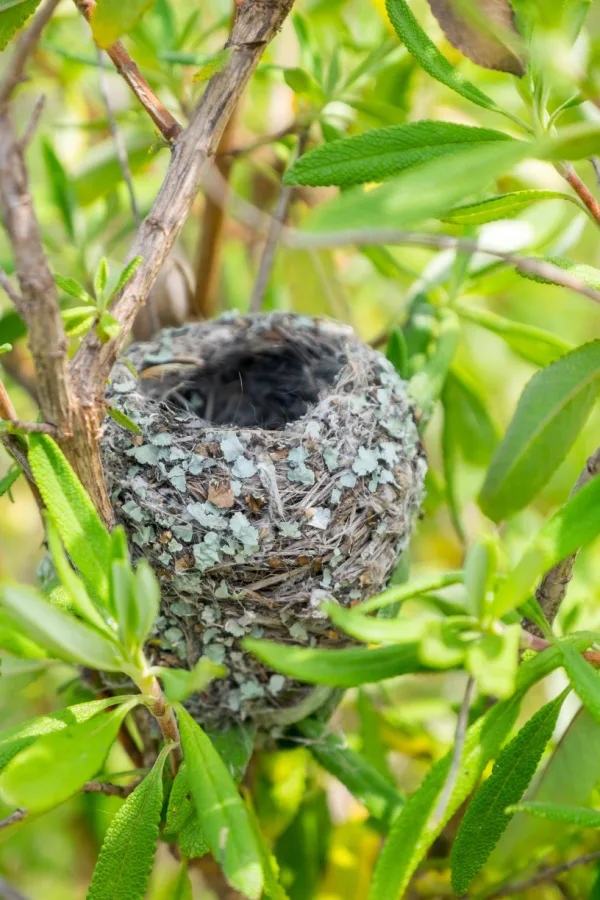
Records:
x=383, y=152
x=483, y=31
x=18, y=737
x=112, y=18
x=412, y=833
x=504, y=206
x=573, y=526
x=419, y=193
x=363, y=781
x=551, y=411
x=53, y=768
x=61, y=188
x=179, y=684
x=573, y=815
x=588, y=274
x=485, y=818
x=220, y=810
x=100, y=279
x=13, y=16
x=125, y=862
x=126, y=274
x=73, y=289
x=59, y=632
x=9, y=479
x=429, y=57
x=337, y=668
x=123, y=420
x=182, y=819
x=532, y=344
x=584, y=679
x=86, y=539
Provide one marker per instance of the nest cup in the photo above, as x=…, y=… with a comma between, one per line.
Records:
x=280, y=465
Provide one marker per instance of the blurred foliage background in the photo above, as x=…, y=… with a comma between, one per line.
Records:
x=356, y=76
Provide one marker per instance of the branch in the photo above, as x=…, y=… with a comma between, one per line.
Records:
x=38, y=301
x=267, y=259
x=457, y=752
x=544, y=875
x=166, y=123
x=28, y=41
x=585, y=195
x=553, y=587
x=109, y=789
x=13, y=819
x=255, y=25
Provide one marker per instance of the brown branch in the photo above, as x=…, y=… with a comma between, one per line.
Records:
x=585, y=195
x=109, y=789
x=543, y=875
x=256, y=23
x=267, y=259
x=13, y=819
x=531, y=641
x=7, y=286
x=208, y=264
x=553, y=587
x=27, y=43
x=166, y=123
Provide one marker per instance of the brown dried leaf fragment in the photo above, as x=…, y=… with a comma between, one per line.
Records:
x=221, y=495
x=482, y=31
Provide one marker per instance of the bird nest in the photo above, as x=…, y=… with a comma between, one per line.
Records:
x=280, y=465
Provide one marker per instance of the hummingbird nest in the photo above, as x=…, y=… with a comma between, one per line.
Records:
x=280, y=465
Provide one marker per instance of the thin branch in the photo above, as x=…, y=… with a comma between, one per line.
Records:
x=8, y=892
x=26, y=45
x=247, y=149
x=267, y=259
x=34, y=427
x=118, y=140
x=7, y=410
x=13, y=819
x=109, y=789
x=543, y=875
x=166, y=123
x=532, y=641
x=585, y=195
x=33, y=123
x=553, y=587
x=165, y=718
x=255, y=25
x=457, y=752
x=7, y=286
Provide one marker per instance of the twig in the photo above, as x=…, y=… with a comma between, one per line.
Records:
x=109, y=789
x=7, y=286
x=27, y=43
x=279, y=216
x=585, y=195
x=596, y=166
x=34, y=427
x=118, y=139
x=459, y=744
x=7, y=410
x=8, y=892
x=532, y=641
x=13, y=819
x=208, y=263
x=165, y=718
x=166, y=123
x=553, y=587
x=544, y=875
x=255, y=25
x=246, y=149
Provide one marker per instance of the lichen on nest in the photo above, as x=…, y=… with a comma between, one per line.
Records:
x=280, y=465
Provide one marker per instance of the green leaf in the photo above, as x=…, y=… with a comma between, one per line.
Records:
x=146, y=596
x=182, y=818
x=100, y=280
x=588, y=274
x=5, y=348
x=466, y=409
x=125, y=862
x=82, y=603
x=59, y=632
x=74, y=289
x=493, y=661
x=183, y=885
x=397, y=352
x=16, y=641
x=505, y=206
x=179, y=683
x=426, y=53
x=413, y=832
x=532, y=344
x=13, y=16
x=220, y=810
x=584, y=679
x=12, y=327
x=123, y=420
x=303, y=84
x=18, y=737
x=414, y=588
x=112, y=18
x=53, y=768
x=86, y=539
x=573, y=526
x=213, y=64
x=480, y=570
x=9, y=479
x=421, y=192
x=399, y=630
x=362, y=780
x=550, y=414
x=574, y=815
x=272, y=889
x=61, y=188
x=383, y=152
x=126, y=274
x=108, y=327
x=485, y=818
x=338, y=668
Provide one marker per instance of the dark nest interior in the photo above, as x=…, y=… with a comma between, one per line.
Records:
x=279, y=466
